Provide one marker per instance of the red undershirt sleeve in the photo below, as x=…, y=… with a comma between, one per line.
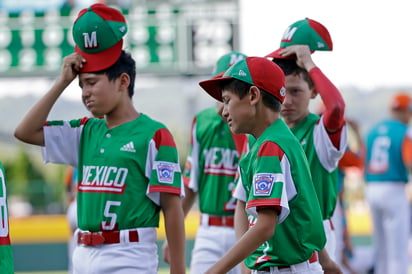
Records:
x=334, y=114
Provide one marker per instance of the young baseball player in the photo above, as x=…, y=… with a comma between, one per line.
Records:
x=285, y=224
x=210, y=172
x=127, y=163
x=6, y=255
x=323, y=138
x=388, y=164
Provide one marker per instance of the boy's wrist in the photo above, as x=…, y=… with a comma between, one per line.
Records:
x=309, y=66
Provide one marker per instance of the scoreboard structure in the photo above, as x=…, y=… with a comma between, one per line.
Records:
x=166, y=39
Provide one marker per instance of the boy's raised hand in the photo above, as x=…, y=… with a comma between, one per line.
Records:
x=72, y=64
x=303, y=55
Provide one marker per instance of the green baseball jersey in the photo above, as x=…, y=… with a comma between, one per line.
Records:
x=323, y=158
x=121, y=170
x=6, y=255
x=275, y=173
x=212, y=163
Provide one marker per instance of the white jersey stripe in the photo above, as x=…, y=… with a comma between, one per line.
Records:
x=330, y=156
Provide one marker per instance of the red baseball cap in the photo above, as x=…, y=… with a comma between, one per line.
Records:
x=257, y=71
x=98, y=33
x=401, y=101
x=304, y=32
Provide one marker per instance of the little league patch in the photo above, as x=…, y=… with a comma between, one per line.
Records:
x=263, y=184
x=165, y=173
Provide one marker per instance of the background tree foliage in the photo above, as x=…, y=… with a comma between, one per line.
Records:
x=30, y=180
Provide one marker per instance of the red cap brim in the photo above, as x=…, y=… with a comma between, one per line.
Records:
x=219, y=74
x=276, y=55
x=212, y=87
x=100, y=60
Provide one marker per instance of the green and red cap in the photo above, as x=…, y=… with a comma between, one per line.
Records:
x=256, y=71
x=226, y=61
x=98, y=33
x=304, y=32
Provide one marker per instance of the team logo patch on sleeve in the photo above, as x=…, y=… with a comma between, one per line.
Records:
x=263, y=184
x=165, y=173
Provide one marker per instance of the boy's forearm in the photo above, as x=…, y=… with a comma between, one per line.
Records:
x=262, y=231
x=241, y=221
x=188, y=201
x=175, y=233
x=332, y=99
x=328, y=265
x=234, y=256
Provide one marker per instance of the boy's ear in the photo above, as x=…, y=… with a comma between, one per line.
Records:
x=124, y=81
x=314, y=91
x=254, y=94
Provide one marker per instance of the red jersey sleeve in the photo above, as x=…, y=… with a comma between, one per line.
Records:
x=407, y=151
x=351, y=159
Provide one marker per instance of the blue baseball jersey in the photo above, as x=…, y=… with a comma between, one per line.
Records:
x=384, y=161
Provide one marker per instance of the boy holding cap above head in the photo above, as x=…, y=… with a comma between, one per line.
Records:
x=387, y=167
x=285, y=224
x=210, y=173
x=323, y=138
x=128, y=169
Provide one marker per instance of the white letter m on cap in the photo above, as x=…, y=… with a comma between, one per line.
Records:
x=288, y=34
x=234, y=58
x=90, y=41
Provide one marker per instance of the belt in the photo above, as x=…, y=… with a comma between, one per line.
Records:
x=312, y=259
x=105, y=237
x=328, y=224
x=331, y=224
x=217, y=220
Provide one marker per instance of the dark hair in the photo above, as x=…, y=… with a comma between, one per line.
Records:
x=238, y=87
x=241, y=89
x=125, y=64
x=289, y=67
x=271, y=101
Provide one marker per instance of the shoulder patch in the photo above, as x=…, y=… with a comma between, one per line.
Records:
x=165, y=172
x=263, y=184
